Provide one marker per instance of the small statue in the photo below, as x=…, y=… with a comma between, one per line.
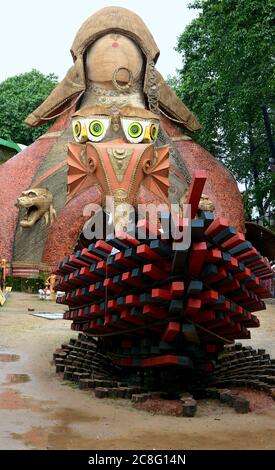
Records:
x=38, y=203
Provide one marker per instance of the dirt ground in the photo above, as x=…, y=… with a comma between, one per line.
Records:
x=40, y=411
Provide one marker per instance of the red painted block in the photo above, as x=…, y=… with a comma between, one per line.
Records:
x=232, y=264
x=80, y=295
x=197, y=258
x=216, y=227
x=112, y=305
x=95, y=310
x=254, y=284
x=110, y=322
x=238, y=310
x=77, y=282
x=204, y=316
x=265, y=276
x=133, y=301
x=171, y=332
x=79, y=263
x=103, y=246
x=208, y=296
x=63, y=286
x=127, y=277
x=247, y=255
x=145, y=252
x=243, y=334
x=213, y=256
x=161, y=294
x=67, y=267
x=246, y=274
x=241, y=297
x=246, y=315
x=97, y=292
x=155, y=273
x=195, y=191
x=125, y=262
x=81, y=313
x=127, y=239
x=257, y=307
x=233, y=241
x=177, y=289
x=108, y=283
x=256, y=263
x=160, y=361
x=229, y=286
x=231, y=330
x=71, y=300
x=89, y=256
x=102, y=266
x=138, y=321
x=154, y=311
x=95, y=328
x=219, y=323
x=193, y=306
x=92, y=276
x=262, y=271
x=213, y=278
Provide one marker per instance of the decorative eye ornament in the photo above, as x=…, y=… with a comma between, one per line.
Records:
x=140, y=130
x=93, y=129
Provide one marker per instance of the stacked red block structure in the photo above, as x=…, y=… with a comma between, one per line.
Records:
x=155, y=307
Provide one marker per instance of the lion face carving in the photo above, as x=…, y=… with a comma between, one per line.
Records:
x=38, y=203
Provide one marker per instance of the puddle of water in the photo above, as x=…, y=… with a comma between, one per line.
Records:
x=12, y=400
x=4, y=357
x=60, y=435
x=68, y=416
x=17, y=379
x=36, y=438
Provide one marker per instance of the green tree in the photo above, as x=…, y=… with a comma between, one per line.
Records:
x=227, y=79
x=19, y=96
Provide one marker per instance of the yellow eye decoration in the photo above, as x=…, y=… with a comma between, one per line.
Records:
x=77, y=129
x=135, y=130
x=93, y=129
x=154, y=131
x=96, y=128
x=139, y=131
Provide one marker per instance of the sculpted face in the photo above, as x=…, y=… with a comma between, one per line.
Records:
x=38, y=203
x=110, y=52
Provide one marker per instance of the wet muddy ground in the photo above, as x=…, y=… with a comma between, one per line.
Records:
x=40, y=411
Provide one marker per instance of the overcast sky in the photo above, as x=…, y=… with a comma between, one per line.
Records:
x=39, y=33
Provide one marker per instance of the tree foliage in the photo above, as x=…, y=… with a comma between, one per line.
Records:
x=227, y=79
x=19, y=96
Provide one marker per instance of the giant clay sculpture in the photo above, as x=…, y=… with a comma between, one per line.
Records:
x=119, y=132
x=114, y=69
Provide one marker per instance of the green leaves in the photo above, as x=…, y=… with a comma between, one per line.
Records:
x=19, y=96
x=226, y=78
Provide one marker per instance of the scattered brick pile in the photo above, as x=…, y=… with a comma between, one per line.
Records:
x=243, y=366
x=81, y=363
